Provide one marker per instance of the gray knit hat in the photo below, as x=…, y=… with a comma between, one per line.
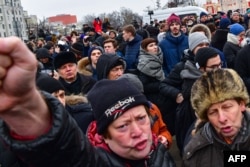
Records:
x=196, y=38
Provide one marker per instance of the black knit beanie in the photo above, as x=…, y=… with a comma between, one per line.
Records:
x=77, y=48
x=203, y=54
x=42, y=53
x=111, y=98
x=63, y=58
x=49, y=84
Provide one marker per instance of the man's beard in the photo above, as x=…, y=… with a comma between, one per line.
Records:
x=175, y=32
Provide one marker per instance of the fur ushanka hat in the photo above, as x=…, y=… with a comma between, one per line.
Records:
x=214, y=87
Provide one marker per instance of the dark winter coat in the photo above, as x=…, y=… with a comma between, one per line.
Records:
x=151, y=74
x=132, y=52
x=80, y=86
x=80, y=110
x=171, y=85
x=206, y=148
x=219, y=39
x=64, y=145
x=185, y=115
x=9, y=159
x=242, y=65
x=172, y=48
x=230, y=50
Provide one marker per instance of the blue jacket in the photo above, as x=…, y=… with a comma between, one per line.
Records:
x=132, y=52
x=172, y=48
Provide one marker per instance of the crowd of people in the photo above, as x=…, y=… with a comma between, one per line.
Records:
x=109, y=97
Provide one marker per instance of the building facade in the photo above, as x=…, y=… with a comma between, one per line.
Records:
x=225, y=5
x=61, y=24
x=12, y=20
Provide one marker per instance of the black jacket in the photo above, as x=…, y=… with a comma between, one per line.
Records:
x=219, y=39
x=242, y=65
x=64, y=145
x=80, y=86
x=230, y=51
x=170, y=87
x=8, y=159
x=206, y=148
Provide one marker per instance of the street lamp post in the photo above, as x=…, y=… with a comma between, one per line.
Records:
x=150, y=13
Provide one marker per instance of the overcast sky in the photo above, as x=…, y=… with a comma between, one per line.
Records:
x=46, y=8
x=80, y=8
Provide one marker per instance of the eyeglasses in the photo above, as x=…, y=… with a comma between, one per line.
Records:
x=215, y=66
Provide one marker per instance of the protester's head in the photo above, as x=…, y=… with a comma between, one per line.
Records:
x=201, y=28
x=150, y=45
x=207, y=59
x=128, y=32
x=52, y=86
x=203, y=17
x=134, y=80
x=174, y=23
x=248, y=12
x=65, y=64
x=77, y=49
x=50, y=47
x=112, y=34
x=237, y=29
x=93, y=54
x=110, y=66
x=42, y=54
x=235, y=16
x=122, y=117
x=196, y=41
x=110, y=45
x=220, y=96
x=225, y=23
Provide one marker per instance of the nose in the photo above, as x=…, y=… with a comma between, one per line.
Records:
x=136, y=130
x=222, y=117
x=120, y=72
x=68, y=68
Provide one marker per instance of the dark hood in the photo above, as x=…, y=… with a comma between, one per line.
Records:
x=105, y=63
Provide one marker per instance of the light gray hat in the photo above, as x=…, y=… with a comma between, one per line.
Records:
x=196, y=38
x=134, y=80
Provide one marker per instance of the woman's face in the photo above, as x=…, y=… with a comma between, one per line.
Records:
x=130, y=134
x=152, y=48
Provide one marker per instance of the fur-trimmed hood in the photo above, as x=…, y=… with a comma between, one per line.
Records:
x=75, y=99
x=84, y=67
x=201, y=27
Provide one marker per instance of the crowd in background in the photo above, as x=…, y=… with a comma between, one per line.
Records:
x=162, y=59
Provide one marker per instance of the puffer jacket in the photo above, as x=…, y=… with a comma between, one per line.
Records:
x=172, y=49
x=132, y=52
x=80, y=110
x=64, y=145
x=8, y=159
x=206, y=149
